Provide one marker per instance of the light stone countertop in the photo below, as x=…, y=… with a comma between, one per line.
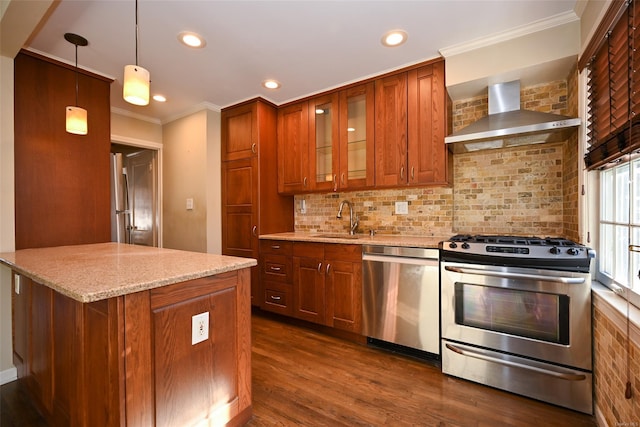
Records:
x=93, y=272
x=428, y=242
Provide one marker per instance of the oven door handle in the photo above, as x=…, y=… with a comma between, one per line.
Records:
x=569, y=376
x=506, y=275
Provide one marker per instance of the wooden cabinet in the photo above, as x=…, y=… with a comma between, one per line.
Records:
x=356, y=131
x=56, y=172
x=428, y=124
x=276, y=276
x=391, y=130
x=327, y=284
x=293, y=148
x=411, y=123
x=129, y=360
x=251, y=204
x=323, y=135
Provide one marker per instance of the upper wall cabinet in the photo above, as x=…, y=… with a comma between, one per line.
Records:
x=293, y=148
x=428, y=105
x=411, y=123
x=239, y=133
x=356, y=165
x=384, y=133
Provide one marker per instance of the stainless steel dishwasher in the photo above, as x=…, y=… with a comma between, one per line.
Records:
x=401, y=296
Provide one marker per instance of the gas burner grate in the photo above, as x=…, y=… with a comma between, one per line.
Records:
x=513, y=240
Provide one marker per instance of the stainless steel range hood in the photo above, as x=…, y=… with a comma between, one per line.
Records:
x=509, y=126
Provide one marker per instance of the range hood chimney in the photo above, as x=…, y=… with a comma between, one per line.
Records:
x=509, y=126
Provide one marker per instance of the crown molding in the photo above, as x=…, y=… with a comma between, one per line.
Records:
x=137, y=116
x=534, y=27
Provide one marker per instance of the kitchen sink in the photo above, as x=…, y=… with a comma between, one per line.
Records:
x=339, y=236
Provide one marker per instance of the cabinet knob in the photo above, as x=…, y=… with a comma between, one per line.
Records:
x=253, y=148
x=254, y=230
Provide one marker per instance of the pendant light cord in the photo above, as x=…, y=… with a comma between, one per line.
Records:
x=76, y=75
x=136, y=33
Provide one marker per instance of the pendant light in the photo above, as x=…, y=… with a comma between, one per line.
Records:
x=76, y=116
x=136, y=79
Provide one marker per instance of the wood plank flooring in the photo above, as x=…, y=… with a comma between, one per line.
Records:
x=306, y=378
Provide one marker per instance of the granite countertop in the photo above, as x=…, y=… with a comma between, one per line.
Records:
x=427, y=242
x=98, y=271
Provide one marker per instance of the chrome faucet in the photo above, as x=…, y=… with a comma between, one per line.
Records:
x=353, y=219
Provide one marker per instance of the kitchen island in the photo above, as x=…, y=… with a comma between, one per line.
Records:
x=111, y=334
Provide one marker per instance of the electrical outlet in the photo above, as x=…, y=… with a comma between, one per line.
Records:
x=189, y=204
x=402, y=208
x=199, y=328
x=303, y=206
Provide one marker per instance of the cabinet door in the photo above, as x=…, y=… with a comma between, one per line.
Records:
x=428, y=155
x=239, y=132
x=293, y=148
x=344, y=295
x=308, y=289
x=240, y=216
x=391, y=130
x=356, y=126
x=323, y=133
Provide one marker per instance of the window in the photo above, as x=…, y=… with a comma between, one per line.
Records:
x=619, y=226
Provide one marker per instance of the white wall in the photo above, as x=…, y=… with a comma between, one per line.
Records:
x=191, y=169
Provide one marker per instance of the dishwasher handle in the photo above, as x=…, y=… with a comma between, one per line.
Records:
x=400, y=260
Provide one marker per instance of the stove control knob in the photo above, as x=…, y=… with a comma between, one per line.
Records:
x=453, y=245
x=555, y=250
x=573, y=251
x=465, y=245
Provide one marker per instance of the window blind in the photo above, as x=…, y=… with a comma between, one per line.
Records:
x=613, y=99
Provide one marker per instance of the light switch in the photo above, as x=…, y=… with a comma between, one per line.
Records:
x=189, y=204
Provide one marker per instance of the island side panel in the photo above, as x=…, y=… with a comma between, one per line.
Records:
x=169, y=381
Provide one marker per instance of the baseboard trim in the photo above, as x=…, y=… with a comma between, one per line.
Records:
x=8, y=375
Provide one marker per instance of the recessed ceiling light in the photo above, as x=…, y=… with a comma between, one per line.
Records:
x=394, y=38
x=159, y=98
x=271, y=84
x=191, y=39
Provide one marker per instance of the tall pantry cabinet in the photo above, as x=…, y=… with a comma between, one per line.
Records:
x=251, y=204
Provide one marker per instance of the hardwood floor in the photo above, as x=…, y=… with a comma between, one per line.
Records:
x=306, y=378
x=301, y=377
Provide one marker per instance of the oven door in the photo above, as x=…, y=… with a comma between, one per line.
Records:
x=539, y=314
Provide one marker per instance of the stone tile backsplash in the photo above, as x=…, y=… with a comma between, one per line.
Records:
x=526, y=190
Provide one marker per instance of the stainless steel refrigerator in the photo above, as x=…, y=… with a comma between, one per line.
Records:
x=120, y=213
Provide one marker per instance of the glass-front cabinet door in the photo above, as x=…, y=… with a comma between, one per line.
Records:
x=323, y=131
x=356, y=137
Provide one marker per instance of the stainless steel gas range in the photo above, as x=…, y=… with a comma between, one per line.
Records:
x=516, y=315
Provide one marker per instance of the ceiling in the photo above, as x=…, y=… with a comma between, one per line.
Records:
x=308, y=46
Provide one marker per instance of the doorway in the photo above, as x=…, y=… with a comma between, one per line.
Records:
x=140, y=165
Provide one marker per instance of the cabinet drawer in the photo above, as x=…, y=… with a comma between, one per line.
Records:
x=277, y=298
x=277, y=268
x=278, y=247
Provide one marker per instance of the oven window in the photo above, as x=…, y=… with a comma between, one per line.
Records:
x=535, y=315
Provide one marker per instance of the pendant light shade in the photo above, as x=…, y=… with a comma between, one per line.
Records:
x=76, y=121
x=136, y=85
x=135, y=88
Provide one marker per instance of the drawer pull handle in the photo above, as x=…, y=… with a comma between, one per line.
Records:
x=275, y=246
x=275, y=298
x=319, y=267
x=402, y=172
x=275, y=268
x=253, y=148
x=254, y=230
x=412, y=172
x=328, y=268
x=305, y=182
